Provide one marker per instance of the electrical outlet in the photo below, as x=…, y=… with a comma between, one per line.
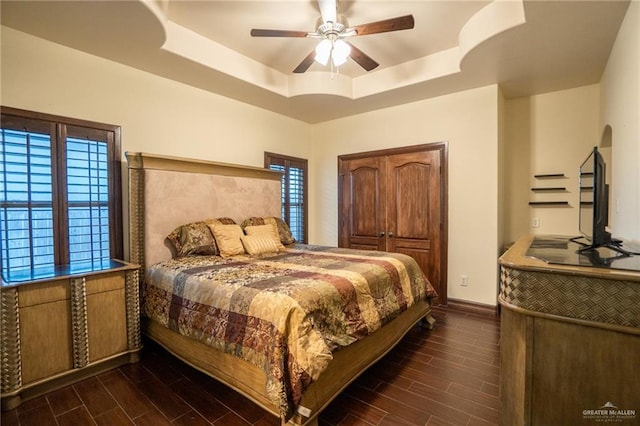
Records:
x=463, y=280
x=535, y=222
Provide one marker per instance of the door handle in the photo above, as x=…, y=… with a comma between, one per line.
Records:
x=390, y=234
x=381, y=234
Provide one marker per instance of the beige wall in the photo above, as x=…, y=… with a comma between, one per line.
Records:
x=502, y=176
x=548, y=133
x=620, y=109
x=468, y=121
x=157, y=115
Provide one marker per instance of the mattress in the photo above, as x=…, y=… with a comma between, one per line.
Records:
x=286, y=312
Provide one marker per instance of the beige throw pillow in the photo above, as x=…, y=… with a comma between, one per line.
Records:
x=258, y=244
x=286, y=237
x=228, y=239
x=267, y=231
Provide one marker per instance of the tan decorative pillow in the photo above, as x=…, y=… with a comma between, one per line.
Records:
x=286, y=237
x=220, y=220
x=228, y=239
x=258, y=244
x=267, y=231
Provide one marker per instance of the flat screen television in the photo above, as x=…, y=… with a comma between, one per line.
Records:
x=594, y=200
x=594, y=204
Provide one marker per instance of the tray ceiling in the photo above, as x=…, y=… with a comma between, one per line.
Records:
x=526, y=47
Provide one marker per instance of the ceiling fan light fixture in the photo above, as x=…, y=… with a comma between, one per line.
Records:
x=338, y=60
x=337, y=50
x=340, y=52
x=323, y=51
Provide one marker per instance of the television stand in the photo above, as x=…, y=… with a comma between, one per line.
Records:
x=565, y=250
x=567, y=327
x=614, y=245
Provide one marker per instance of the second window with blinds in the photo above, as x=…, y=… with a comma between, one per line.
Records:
x=294, y=191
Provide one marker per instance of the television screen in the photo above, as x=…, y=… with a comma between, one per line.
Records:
x=586, y=197
x=594, y=200
x=594, y=206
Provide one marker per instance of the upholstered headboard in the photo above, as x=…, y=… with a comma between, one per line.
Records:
x=165, y=192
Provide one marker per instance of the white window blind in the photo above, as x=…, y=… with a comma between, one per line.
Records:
x=296, y=177
x=26, y=201
x=59, y=195
x=294, y=209
x=87, y=200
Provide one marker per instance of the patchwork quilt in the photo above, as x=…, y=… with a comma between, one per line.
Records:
x=284, y=312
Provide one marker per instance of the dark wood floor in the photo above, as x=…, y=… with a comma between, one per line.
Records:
x=446, y=376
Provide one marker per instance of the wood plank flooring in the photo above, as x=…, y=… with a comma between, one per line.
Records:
x=446, y=376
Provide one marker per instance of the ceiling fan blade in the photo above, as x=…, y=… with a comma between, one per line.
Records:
x=328, y=10
x=306, y=63
x=362, y=58
x=393, y=24
x=277, y=33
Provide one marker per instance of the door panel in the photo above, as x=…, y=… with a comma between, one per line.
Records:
x=423, y=257
x=365, y=184
x=413, y=209
x=406, y=205
x=395, y=200
x=362, y=210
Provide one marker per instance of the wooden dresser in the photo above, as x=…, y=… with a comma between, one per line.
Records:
x=67, y=327
x=570, y=342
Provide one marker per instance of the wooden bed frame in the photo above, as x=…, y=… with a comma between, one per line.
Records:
x=165, y=192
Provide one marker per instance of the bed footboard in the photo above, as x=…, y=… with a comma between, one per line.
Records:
x=347, y=365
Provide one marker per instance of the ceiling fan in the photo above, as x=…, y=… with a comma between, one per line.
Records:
x=333, y=30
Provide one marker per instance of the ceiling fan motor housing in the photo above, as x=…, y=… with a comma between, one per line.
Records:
x=332, y=30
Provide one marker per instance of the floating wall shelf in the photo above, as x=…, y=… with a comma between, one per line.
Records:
x=549, y=176
x=549, y=189
x=553, y=188
x=548, y=203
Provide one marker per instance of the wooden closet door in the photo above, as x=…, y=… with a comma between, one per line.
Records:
x=413, y=205
x=362, y=216
x=395, y=200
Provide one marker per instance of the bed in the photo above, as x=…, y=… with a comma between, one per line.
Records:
x=288, y=328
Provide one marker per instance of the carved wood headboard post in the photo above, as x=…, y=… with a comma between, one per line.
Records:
x=136, y=210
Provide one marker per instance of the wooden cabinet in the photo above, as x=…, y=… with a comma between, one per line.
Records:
x=395, y=200
x=570, y=342
x=63, y=329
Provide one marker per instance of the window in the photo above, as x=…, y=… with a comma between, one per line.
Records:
x=294, y=191
x=60, y=194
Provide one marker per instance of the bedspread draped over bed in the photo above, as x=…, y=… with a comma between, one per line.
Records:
x=283, y=312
